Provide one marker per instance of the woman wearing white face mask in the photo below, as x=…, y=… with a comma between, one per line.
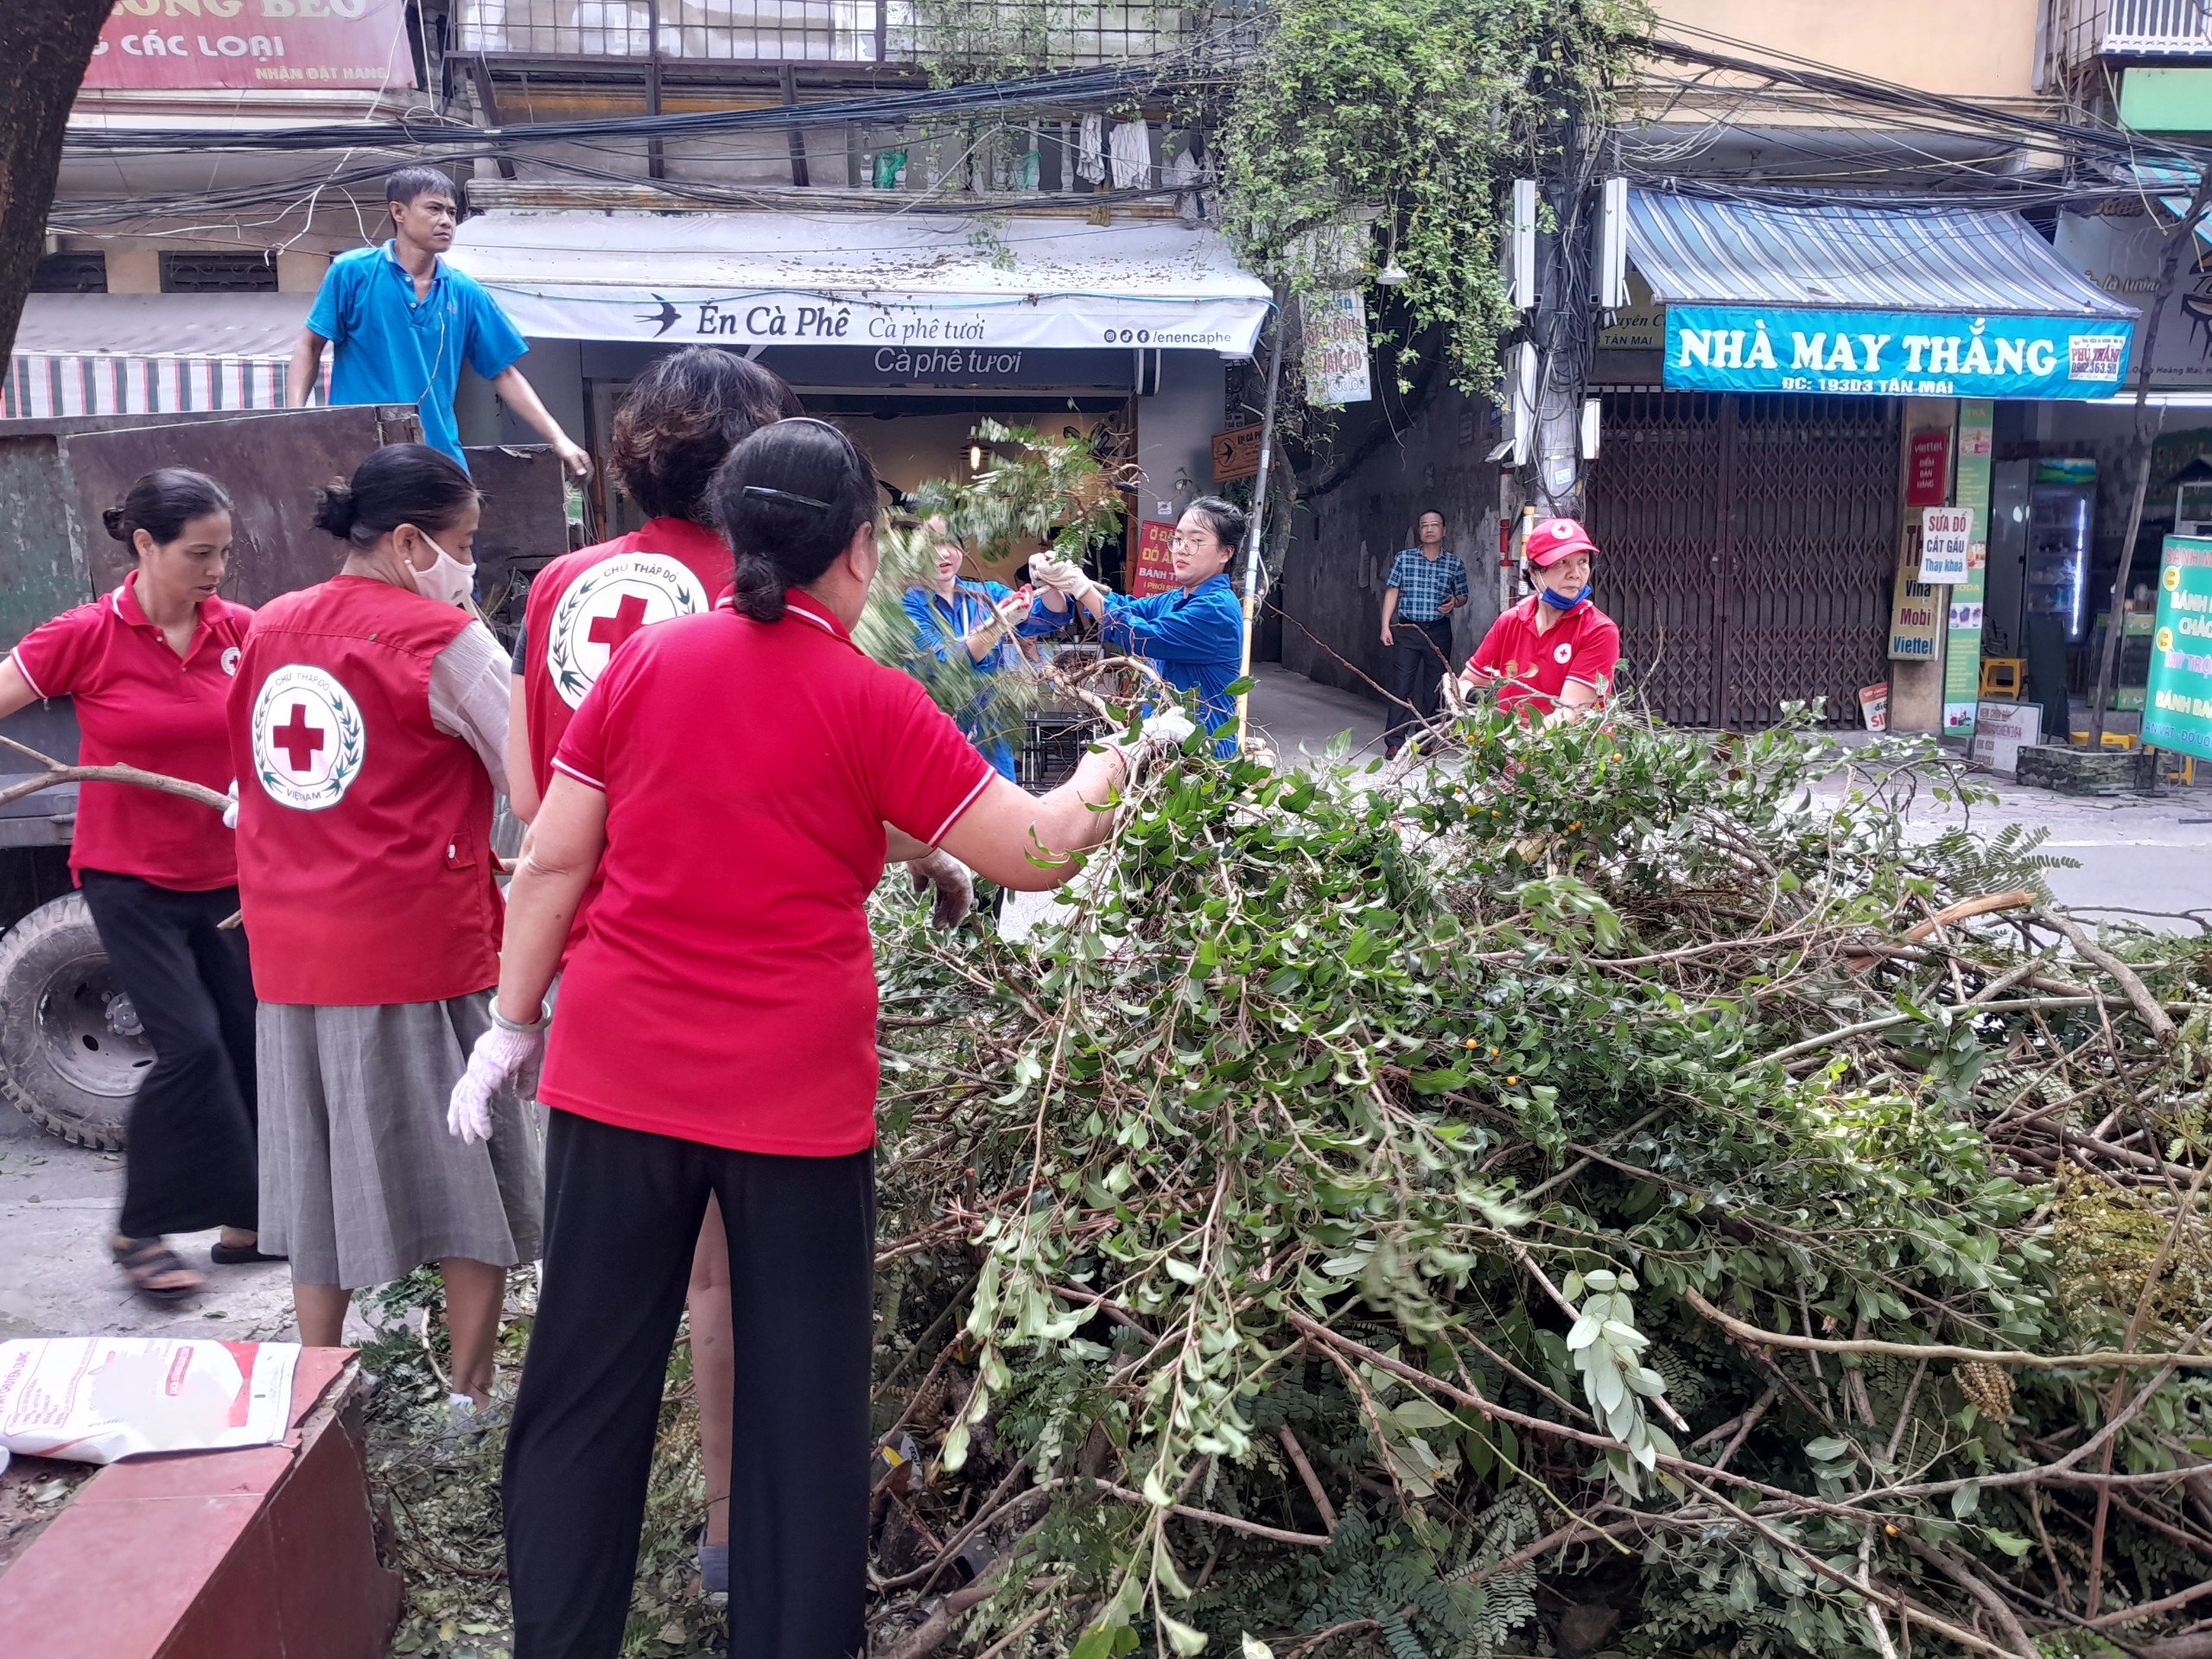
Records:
x=369, y=729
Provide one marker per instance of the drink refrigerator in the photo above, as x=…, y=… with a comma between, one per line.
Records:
x=2061, y=507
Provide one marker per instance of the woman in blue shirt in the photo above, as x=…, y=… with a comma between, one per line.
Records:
x=978, y=618
x=1193, y=634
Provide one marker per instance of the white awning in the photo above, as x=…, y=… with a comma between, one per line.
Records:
x=924, y=282
x=151, y=354
x=161, y=324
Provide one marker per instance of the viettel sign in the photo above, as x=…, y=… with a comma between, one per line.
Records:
x=1894, y=354
x=186, y=45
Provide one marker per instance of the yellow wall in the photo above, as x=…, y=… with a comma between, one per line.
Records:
x=1975, y=48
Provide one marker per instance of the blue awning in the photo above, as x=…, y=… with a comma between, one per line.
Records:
x=2163, y=177
x=1854, y=256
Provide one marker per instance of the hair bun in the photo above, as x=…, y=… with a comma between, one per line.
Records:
x=334, y=510
x=117, y=522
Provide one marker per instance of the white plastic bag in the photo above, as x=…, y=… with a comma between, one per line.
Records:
x=98, y=1399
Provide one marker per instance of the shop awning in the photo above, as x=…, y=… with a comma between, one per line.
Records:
x=910, y=282
x=2173, y=185
x=1858, y=299
x=151, y=353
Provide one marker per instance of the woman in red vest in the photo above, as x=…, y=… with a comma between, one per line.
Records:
x=368, y=726
x=716, y=1035
x=149, y=667
x=678, y=422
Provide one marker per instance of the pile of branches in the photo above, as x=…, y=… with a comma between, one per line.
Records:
x=1615, y=1189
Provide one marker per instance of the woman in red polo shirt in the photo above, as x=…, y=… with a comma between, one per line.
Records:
x=368, y=730
x=678, y=422
x=729, y=777
x=149, y=666
x=1555, y=652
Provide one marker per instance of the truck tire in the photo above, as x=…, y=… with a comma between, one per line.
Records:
x=72, y=1051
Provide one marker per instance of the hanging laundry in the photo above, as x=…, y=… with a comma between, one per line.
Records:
x=1132, y=151
x=1188, y=168
x=1091, y=153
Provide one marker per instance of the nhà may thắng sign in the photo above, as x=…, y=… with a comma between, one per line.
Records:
x=1946, y=534
x=1893, y=353
x=246, y=44
x=2177, y=703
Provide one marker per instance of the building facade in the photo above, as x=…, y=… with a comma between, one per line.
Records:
x=1760, y=480
x=780, y=177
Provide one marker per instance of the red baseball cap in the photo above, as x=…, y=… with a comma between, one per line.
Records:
x=1553, y=539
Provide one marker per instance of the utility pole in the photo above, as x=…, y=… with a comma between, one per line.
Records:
x=1564, y=331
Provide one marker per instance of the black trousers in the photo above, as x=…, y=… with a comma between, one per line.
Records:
x=1421, y=655
x=190, y=1161
x=622, y=1213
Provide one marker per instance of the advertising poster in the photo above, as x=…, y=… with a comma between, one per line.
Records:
x=1154, y=570
x=1336, y=349
x=1928, y=482
x=1945, y=533
x=1962, y=647
x=2178, y=710
x=187, y=45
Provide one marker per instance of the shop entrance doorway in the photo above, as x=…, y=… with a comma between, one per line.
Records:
x=1750, y=549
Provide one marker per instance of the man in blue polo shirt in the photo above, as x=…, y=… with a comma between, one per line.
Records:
x=405, y=321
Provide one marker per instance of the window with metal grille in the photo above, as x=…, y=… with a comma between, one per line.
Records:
x=218, y=273
x=71, y=273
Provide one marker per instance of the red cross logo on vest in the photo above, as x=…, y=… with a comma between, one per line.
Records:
x=297, y=738
x=607, y=604
x=612, y=629
x=309, y=741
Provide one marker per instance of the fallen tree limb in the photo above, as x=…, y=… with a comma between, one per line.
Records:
x=1765, y=1339
x=116, y=774
x=2138, y=995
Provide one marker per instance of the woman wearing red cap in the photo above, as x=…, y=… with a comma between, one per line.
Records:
x=1556, y=652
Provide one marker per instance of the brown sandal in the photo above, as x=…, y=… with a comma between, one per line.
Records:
x=144, y=1259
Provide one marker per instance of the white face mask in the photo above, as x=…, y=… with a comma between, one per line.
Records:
x=448, y=581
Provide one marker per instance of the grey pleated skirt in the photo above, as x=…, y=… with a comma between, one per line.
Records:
x=360, y=1183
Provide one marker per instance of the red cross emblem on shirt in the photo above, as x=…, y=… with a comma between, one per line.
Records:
x=297, y=738
x=611, y=630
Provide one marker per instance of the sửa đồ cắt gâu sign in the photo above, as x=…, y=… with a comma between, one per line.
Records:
x=1893, y=353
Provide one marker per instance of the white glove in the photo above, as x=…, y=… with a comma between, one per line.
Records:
x=1162, y=732
x=1167, y=729
x=231, y=812
x=500, y=1057
x=955, y=888
x=1060, y=574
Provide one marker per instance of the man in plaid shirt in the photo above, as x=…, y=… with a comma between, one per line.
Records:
x=1426, y=584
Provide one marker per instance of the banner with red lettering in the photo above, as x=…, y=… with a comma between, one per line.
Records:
x=246, y=44
x=1155, y=566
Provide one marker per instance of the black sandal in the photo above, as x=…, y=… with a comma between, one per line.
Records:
x=144, y=1259
x=239, y=1256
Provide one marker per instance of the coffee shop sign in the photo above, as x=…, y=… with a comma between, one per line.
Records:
x=830, y=324
x=1745, y=349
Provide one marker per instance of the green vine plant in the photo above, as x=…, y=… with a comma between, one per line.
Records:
x=1415, y=115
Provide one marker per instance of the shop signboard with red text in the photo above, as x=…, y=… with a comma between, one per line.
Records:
x=243, y=45
x=1154, y=570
